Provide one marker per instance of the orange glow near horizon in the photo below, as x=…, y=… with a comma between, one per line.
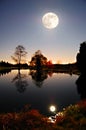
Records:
x=57, y=61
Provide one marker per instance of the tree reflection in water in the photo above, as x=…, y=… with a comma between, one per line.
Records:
x=38, y=76
x=4, y=71
x=81, y=86
x=20, y=82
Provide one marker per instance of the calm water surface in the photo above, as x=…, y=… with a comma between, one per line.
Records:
x=42, y=89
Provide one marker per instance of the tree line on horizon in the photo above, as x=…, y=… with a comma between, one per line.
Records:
x=19, y=57
x=39, y=60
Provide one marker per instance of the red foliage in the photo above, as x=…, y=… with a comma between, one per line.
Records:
x=59, y=119
x=82, y=104
x=49, y=64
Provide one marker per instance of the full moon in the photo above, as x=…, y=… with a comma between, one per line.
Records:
x=52, y=108
x=50, y=20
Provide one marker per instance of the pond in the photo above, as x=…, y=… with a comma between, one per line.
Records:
x=38, y=89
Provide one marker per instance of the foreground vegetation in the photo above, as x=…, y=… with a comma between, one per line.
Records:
x=72, y=118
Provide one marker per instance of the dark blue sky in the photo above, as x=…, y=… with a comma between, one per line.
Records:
x=20, y=23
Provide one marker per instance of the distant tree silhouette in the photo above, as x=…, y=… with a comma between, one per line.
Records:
x=81, y=64
x=5, y=64
x=81, y=58
x=19, y=54
x=38, y=60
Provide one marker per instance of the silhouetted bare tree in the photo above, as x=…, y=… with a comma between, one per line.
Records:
x=19, y=54
x=81, y=58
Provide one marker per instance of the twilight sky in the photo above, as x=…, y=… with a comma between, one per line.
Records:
x=21, y=24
